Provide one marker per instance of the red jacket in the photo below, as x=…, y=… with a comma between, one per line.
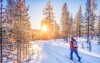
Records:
x=71, y=44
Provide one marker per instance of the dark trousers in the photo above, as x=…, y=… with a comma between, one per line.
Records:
x=76, y=52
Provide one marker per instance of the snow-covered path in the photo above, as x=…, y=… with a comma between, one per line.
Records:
x=53, y=52
x=51, y=55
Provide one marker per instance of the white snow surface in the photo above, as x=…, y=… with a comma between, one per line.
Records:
x=54, y=51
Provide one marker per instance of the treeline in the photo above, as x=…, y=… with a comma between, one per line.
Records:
x=70, y=26
x=15, y=31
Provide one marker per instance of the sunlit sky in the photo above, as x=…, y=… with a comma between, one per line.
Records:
x=36, y=8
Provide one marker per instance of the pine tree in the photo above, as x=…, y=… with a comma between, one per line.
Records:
x=79, y=19
x=48, y=11
x=90, y=16
x=56, y=30
x=25, y=26
x=99, y=30
x=49, y=20
x=22, y=26
x=64, y=21
x=7, y=26
x=19, y=28
x=7, y=40
x=70, y=25
x=76, y=25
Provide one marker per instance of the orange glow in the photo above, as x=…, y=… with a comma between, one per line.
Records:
x=44, y=28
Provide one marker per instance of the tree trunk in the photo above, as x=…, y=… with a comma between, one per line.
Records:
x=18, y=52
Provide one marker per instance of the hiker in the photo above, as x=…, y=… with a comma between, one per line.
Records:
x=73, y=48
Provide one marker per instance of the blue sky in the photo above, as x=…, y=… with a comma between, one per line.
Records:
x=36, y=8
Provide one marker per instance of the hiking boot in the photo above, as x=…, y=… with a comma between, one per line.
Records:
x=79, y=59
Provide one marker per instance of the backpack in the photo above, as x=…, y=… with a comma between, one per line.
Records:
x=75, y=44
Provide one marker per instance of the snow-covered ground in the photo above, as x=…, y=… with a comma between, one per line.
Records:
x=54, y=51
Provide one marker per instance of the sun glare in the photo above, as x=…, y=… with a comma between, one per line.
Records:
x=44, y=28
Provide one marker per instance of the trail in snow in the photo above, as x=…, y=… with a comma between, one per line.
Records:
x=52, y=56
x=54, y=53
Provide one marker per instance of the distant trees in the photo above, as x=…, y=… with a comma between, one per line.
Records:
x=65, y=21
x=70, y=26
x=79, y=22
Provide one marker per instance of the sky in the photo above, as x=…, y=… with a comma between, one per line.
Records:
x=36, y=8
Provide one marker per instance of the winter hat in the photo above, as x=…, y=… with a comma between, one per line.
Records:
x=72, y=38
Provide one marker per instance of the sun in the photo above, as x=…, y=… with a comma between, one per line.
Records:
x=44, y=28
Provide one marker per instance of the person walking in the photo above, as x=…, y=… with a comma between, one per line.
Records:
x=73, y=48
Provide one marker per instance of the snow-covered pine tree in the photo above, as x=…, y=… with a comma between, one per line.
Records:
x=99, y=30
x=49, y=20
x=48, y=11
x=20, y=28
x=64, y=21
x=9, y=20
x=70, y=25
x=79, y=20
x=84, y=27
x=24, y=21
x=8, y=40
x=56, y=30
x=90, y=15
x=76, y=25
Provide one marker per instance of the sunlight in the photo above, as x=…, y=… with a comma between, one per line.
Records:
x=44, y=28
x=36, y=48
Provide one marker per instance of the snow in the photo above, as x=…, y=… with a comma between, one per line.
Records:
x=54, y=51
x=89, y=53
